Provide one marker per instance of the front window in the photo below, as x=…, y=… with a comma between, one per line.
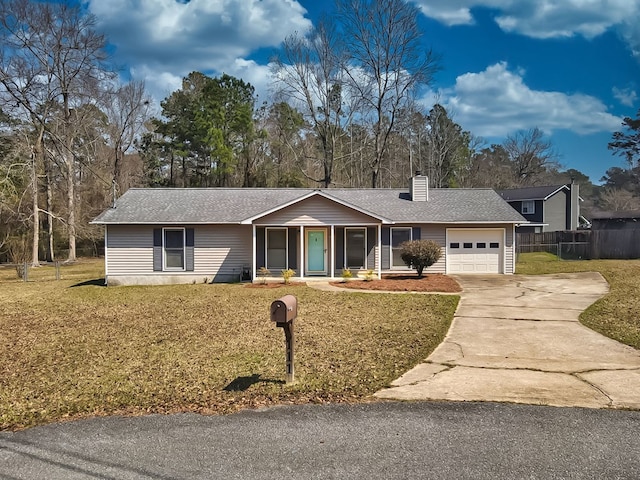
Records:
x=355, y=246
x=276, y=248
x=398, y=236
x=174, y=248
x=528, y=207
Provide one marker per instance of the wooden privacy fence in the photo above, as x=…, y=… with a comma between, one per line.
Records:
x=582, y=244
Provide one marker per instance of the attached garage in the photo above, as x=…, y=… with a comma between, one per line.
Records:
x=475, y=250
x=194, y=235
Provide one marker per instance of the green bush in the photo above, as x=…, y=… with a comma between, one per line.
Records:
x=420, y=254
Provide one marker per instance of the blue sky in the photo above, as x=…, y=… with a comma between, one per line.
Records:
x=569, y=67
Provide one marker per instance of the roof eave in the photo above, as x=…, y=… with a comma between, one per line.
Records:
x=158, y=222
x=556, y=191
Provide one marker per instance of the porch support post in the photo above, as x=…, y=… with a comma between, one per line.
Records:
x=379, y=255
x=333, y=251
x=254, y=242
x=301, y=251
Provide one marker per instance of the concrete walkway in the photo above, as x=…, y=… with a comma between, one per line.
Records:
x=517, y=339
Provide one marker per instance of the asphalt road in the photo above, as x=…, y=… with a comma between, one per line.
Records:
x=374, y=441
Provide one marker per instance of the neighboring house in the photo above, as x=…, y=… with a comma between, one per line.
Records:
x=547, y=209
x=189, y=235
x=626, y=220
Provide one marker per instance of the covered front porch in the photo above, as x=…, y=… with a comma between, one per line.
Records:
x=318, y=237
x=317, y=252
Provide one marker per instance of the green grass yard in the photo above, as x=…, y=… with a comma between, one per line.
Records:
x=72, y=348
x=617, y=315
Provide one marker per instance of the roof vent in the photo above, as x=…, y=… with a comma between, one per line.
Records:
x=419, y=187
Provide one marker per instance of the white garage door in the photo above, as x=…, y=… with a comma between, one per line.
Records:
x=475, y=251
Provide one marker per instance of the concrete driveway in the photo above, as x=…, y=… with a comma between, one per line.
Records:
x=517, y=339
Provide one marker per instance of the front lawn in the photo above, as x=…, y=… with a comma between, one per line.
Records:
x=72, y=348
x=617, y=315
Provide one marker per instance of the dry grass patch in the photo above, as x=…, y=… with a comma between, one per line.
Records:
x=70, y=351
x=617, y=315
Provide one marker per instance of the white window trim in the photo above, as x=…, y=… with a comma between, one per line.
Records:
x=184, y=250
x=364, y=250
x=391, y=265
x=531, y=203
x=286, y=246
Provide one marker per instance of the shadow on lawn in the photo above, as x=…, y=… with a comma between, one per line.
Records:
x=97, y=282
x=240, y=384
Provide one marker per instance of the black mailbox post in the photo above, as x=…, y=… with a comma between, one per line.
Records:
x=284, y=311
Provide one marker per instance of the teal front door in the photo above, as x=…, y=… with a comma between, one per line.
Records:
x=316, y=252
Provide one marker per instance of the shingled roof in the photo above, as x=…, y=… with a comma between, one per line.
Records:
x=530, y=193
x=243, y=205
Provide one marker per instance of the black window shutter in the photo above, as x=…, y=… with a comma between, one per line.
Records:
x=340, y=263
x=385, y=258
x=188, y=251
x=416, y=233
x=157, y=249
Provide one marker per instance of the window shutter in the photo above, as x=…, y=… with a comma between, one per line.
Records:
x=385, y=254
x=415, y=234
x=188, y=250
x=339, y=239
x=157, y=249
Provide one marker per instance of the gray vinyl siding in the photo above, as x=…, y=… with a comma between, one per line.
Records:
x=129, y=250
x=220, y=253
x=555, y=212
x=438, y=234
x=316, y=211
x=223, y=250
x=509, y=251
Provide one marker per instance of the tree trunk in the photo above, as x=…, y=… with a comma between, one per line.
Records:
x=374, y=178
x=38, y=151
x=50, y=254
x=36, y=210
x=71, y=205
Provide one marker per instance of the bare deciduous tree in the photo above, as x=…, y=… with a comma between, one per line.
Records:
x=310, y=77
x=530, y=154
x=52, y=59
x=618, y=200
x=386, y=62
x=127, y=110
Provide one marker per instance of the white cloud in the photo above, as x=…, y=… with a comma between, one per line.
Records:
x=167, y=39
x=546, y=18
x=626, y=96
x=259, y=76
x=496, y=102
